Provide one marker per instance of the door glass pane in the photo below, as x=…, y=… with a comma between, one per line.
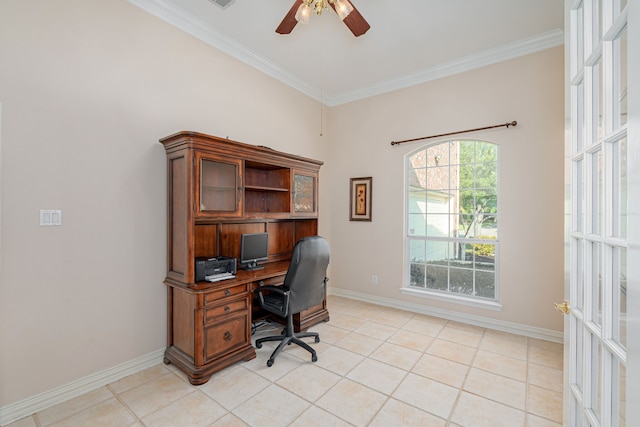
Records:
x=622, y=395
x=596, y=192
x=619, y=188
x=578, y=276
x=596, y=284
x=598, y=100
x=620, y=74
x=577, y=355
x=578, y=115
x=597, y=20
x=596, y=377
x=619, y=297
x=578, y=46
x=578, y=207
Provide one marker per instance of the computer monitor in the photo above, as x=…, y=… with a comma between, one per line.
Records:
x=254, y=247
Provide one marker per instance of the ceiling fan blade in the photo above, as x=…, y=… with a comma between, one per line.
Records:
x=289, y=21
x=356, y=23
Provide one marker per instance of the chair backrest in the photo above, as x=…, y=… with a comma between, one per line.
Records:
x=305, y=278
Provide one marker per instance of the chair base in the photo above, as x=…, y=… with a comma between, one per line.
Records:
x=289, y=337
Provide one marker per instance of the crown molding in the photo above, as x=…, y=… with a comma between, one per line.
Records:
x=176, y=16
x=477, y=60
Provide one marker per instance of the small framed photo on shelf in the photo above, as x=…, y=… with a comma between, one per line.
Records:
x=360, y=199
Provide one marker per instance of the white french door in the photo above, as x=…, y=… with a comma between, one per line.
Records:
x=597, y=236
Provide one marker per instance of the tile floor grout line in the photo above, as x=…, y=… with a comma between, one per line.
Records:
x=117, y=397
x=461, y=388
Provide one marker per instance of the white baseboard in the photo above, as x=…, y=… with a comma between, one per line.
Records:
x=485, y=322
x=24, y=408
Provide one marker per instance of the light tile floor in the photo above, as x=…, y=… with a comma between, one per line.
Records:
x=376, y=366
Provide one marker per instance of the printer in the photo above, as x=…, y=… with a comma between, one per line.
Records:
x=216, y=265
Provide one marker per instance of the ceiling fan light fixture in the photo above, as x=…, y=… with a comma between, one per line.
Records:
x=301, y=10
x=343, y=8
x=303, y=13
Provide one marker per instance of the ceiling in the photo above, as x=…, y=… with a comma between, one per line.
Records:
x=410, y=41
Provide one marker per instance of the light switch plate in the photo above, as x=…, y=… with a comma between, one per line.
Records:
x=50, y=217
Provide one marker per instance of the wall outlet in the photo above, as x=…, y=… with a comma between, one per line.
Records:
x=374, y=279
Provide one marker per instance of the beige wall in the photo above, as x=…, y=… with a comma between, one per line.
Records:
x=87, y=89
x=529, y=90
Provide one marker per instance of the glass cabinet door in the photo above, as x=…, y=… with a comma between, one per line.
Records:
x=219, y=187
x=305, y=198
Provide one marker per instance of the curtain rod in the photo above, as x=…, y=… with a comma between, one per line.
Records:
x=513, y=123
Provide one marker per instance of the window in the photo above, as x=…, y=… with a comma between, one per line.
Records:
x=452, y=221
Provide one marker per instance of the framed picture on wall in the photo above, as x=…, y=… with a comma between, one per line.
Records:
x=360, y=199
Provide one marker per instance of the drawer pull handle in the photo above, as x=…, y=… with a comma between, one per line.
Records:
x=227, y=292
x=227, y=336
x=226, y=309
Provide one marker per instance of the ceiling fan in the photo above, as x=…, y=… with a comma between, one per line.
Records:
x=301, y=11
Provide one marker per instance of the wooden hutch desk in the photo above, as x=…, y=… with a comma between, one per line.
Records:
x=217, y=190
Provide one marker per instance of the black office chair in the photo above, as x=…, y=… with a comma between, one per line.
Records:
x=304, y=287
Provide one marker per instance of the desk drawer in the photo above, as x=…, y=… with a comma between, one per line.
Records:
x=226, y=336
x=212, y=313
x=215, y=296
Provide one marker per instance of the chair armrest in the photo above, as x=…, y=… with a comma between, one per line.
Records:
x=281, y=290
x=278, y=289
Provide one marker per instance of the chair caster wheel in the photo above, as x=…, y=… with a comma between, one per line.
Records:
x=317, y=340
x=258, y=345
x=269, y=363
x=314, y=358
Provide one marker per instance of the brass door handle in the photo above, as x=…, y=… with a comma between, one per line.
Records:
x=563, y=307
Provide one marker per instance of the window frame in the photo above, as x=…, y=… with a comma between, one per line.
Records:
x=447, y=295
